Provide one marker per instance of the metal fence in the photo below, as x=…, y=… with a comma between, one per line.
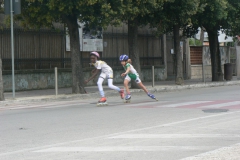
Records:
x=47, y=49
x=149, y=48
x=33, y=50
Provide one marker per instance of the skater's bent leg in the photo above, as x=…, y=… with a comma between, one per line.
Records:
x=143, y=87
x=126, y=81
x=110, y=85
x=99, y=83
x=100, y=87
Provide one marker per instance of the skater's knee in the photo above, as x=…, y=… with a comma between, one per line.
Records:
x=99, y=83
x=110, y=86
x=141, y=85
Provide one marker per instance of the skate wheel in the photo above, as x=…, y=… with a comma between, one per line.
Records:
x=127, y=101
x=102, y=104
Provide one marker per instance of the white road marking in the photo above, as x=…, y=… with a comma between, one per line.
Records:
x=230, y=153
x=155, y=136
x=123, y=148
x=185, y=104
x=153, y=103
x=61, y=104
x=119, y=133
x=222, y=105
x=44, y=106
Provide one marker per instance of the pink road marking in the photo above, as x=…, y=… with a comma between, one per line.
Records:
x=150, y=106
x=232, y=107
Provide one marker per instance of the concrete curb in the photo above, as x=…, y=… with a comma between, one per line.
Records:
x=114, y=93
x=196, y=86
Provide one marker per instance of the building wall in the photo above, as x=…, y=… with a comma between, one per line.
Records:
x=196, y=71
x=44, y=79
x=237, y=61
x=197, y=60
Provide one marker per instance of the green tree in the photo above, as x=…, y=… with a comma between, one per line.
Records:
x=1, y=6
x=223, y=16
x=43, y=13
x=218, y=16
x=214, y=14
x=231, y=26
x=135, y=13
x=173, y=18
x=195, y=42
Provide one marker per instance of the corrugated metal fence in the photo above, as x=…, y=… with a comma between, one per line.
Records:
x=33, y=50
x=47, y=49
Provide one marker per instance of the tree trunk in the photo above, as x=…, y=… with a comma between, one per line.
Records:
x=1, y=82
x=133, y=48
x=202, y=36
x=217, y=74
x=179, y=67
x=77, y=72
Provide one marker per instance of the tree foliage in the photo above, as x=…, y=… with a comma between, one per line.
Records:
x=233, y=18
x=43, y=13
x=174, y=12
x=38, y=13
x=218, y=15
x=135, y=13
x=175, y=16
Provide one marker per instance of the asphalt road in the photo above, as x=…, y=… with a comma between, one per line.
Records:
x=190, y=124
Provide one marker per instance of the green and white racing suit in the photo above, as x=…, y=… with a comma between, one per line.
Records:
x=132, y=75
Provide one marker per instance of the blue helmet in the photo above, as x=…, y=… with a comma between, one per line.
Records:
x=123, y=57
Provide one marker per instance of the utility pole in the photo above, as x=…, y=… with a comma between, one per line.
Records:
x=12, y=7
x=12, y=49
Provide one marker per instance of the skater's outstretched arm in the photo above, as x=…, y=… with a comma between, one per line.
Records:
x=95, y=73
x=126, y=72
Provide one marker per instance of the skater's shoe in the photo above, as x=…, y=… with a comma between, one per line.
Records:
x=102, y=100
x=128, y=97
x=151, y=96
x=121, y=93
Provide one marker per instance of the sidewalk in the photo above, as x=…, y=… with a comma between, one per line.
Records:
x=92, y=91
